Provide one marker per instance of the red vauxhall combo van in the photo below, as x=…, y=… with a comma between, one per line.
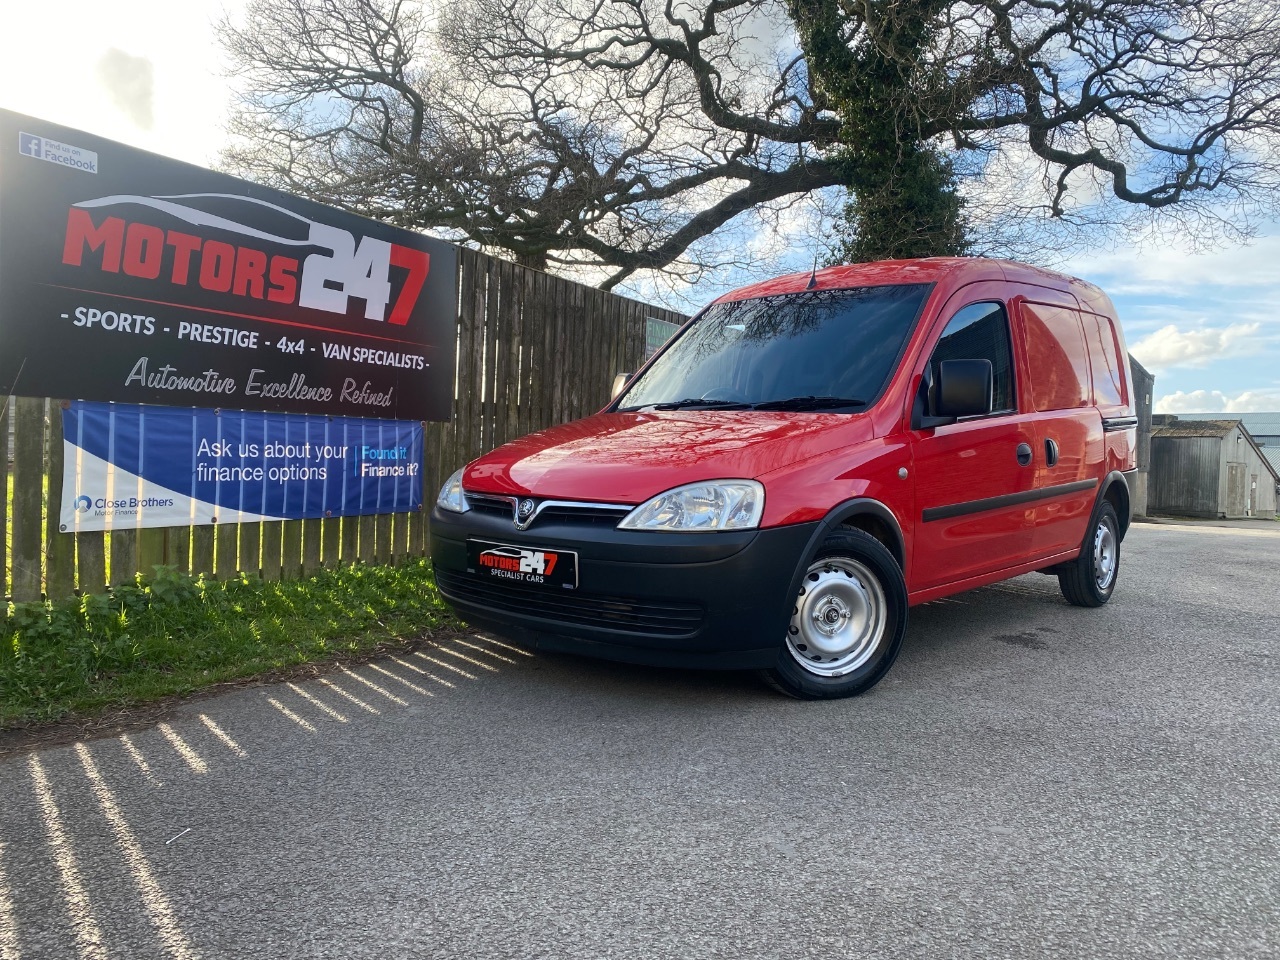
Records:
x=804, y=461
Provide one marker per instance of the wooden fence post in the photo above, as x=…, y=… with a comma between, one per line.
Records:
x=226, y=553
x=272, y=532
x=291, y=549
x=251, y=547
x=4, y=503
x=28, y=477
x=60, y=546
x=310, y=547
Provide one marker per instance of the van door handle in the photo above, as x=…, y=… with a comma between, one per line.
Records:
x=1024, y=453
x=1051, y=452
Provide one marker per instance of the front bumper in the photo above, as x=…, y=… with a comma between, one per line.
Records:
x=714, y=600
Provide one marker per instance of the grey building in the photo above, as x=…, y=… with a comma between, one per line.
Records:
x=1209, y=468
x=1143, y=386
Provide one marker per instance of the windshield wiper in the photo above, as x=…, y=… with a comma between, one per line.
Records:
x=699, y=402
x=809, y=403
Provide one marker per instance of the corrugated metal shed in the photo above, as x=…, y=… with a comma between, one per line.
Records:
x=1209, y=468
x=1263, y=427
x=1195, y=428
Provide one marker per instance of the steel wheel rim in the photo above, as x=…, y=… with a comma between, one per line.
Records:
x=1105, y=555
x=839, y=618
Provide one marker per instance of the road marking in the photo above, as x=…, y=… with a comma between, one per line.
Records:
x=83, y=923
x=172, y=937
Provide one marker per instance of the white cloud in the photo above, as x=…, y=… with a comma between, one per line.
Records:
x=1170, y=270
x=1171, y=347
x=1215, y=401
x=189, y=97
x=130, y=81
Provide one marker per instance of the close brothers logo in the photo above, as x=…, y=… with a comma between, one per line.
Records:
x=266, y=266
x=129, y=505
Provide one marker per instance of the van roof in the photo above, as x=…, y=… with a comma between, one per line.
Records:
x=952, y=272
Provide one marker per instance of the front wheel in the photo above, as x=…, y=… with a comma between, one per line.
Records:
x=847, y=621
x=1089, y=580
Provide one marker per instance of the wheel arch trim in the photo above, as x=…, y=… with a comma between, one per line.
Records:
x=1125, y=516
x=842, y=513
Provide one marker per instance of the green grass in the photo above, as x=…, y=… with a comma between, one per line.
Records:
x=176, y=634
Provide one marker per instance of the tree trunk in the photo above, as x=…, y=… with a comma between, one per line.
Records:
x=903, y=191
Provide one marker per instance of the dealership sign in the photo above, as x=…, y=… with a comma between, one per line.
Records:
x=131, y=277
x=130, y=465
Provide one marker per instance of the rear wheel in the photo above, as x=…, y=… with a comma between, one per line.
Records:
x=1089, y=580
x=847, y=621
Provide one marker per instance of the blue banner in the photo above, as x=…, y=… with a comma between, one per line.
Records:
x=129, y=466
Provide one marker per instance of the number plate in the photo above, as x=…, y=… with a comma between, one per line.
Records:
x=523, y=566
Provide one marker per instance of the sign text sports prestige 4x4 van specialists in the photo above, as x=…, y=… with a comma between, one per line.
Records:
x=807, y=458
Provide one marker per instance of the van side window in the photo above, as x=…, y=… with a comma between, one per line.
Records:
x=1055, y=342
x=980, y=331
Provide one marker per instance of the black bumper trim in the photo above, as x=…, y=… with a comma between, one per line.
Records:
x=714, y=600
x=573, y=606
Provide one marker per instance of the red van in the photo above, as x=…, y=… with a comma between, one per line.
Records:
x=805, y=460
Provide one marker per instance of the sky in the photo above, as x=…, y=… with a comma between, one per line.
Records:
x=149, y=73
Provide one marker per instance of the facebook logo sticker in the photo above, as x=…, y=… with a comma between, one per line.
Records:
x=53, y=151
x=31, y=145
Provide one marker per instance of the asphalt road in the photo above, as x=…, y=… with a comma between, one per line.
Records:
x=1031, y=781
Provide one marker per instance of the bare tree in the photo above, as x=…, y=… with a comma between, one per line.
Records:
x=621, y=135
x=1169, y=107
x=360, y=103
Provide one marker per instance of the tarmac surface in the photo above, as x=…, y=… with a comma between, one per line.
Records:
x=1032, y=780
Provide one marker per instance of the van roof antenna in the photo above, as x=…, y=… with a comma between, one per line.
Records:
x=813, y=276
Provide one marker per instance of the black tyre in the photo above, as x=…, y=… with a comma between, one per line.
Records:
x=1089, y=580
x=848, y=621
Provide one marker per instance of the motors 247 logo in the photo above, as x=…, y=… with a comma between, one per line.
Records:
x=267, y=263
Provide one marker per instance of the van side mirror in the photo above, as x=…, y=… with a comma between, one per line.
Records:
x=964, y=388
x=619, y=383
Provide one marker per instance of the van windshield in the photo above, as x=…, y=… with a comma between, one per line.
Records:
x=815, y=350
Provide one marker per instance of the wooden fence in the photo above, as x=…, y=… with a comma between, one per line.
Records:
x=533, y=351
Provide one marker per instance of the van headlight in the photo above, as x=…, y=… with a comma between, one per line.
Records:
x=451, y=497
x=708, y=506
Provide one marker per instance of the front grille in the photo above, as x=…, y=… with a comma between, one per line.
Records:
x=492, y=506
x=616, y=613
x=597, y=516
x=553, y=511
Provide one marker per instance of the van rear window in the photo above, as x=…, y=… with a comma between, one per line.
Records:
x=838, y=344
x=1104, y=360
